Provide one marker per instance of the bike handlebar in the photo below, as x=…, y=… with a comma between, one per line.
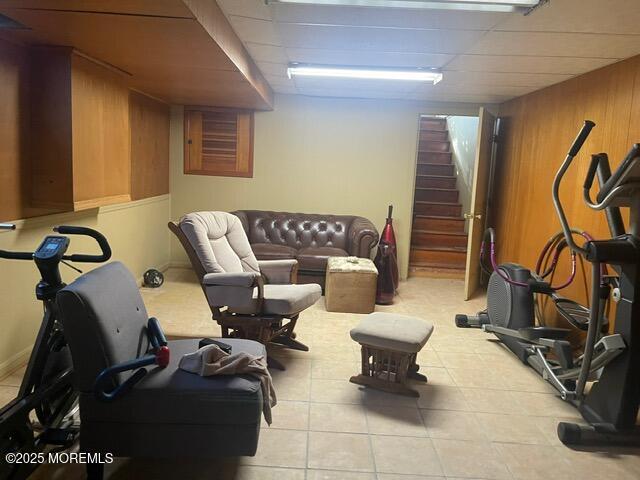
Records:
x=67, y=230
x=87, y=232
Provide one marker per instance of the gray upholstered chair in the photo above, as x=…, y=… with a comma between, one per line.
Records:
x=167, y=413
x=248, y=298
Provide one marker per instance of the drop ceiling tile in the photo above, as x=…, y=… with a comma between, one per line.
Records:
x=558, y=44
x=503, y=79
x=473, y=89
x=459, y=98
x=387, y=17
x=273, y=69
x=266, y=53
x=255, y=30
x=287, y=90
x=354, y=84
x=246, y=8
x=366, y=58
x=526, y=64
x=593, y=16
x=349, y=93
x=279, y=81
x=377, y=39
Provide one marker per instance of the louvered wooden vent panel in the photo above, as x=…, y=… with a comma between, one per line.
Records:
x=218, y=142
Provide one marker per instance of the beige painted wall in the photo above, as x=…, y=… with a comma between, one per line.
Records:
x=137, y=234
x=318, y=155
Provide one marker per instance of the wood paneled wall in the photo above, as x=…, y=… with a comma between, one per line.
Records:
x=14, y=125
x=537, y=131
x=149, y=122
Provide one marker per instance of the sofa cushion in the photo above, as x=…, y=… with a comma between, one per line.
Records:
x=315, y=258
x=223, y=400
x=269, y=251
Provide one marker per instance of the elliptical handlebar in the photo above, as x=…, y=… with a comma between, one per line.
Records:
x=7, y=226
x=87, y=232
x=555, y=191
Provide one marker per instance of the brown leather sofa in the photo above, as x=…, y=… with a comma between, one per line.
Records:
x=309, y=238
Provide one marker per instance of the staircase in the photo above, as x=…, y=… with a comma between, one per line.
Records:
x=438, y=239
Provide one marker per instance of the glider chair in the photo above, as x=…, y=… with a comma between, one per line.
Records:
x=250, y=299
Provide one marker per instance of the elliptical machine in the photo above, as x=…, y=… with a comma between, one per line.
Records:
x=47, y=387
x=612, y=362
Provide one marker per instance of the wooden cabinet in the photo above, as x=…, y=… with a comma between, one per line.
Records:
x=149, y=122
x=218, y=142
x=80, y=138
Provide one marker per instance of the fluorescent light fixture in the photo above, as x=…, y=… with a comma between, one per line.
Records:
x=506, y=6
x=365, y=73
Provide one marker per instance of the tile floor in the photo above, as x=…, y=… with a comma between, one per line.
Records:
x=481, y=416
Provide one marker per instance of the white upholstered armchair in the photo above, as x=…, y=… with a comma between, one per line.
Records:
x=248, y=298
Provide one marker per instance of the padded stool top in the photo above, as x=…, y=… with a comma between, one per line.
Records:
x=391, y=331
x=350, y=265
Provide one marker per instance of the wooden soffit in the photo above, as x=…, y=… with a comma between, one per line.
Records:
x=183, y=52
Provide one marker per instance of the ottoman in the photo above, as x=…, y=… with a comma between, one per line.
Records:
x=390, y=343
x=350, y=285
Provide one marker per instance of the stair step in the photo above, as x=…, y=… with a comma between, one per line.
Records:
x=434, y=146
x=440, y=224
x=433, y=256
x=436, y=271
x=430, y=238
x=433, y=135
x=437, y=124
x=439, y=209
x=445, y=195
x=435, y=169
x=435, y=181
x=434, y=157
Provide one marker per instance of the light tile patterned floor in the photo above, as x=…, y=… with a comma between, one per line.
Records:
x=481, y=416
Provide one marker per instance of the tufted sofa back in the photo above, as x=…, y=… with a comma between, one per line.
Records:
x=296, y=230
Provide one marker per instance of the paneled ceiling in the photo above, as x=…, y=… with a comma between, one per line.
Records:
x=485, y=57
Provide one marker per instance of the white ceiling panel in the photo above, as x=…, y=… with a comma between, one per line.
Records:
x=485, y=57
x=279, y=81
x=266, y=53
x=560, y=44
x=366, y=58
x=503, y=79
x=350, y=84
x=377, y=39
x=273, y=69
x=387, y=17
x=591, y=16
x=255, y=30
x=246, y=8
x=288, y=90
x=349, y=93
x=526, y=64
x=507, y=91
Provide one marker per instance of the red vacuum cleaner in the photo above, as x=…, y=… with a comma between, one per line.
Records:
x=386, y=262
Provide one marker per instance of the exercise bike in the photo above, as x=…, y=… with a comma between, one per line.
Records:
x=46, y=388
x=609, y=361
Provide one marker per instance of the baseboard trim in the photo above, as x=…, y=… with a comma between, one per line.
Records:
x=15, y=362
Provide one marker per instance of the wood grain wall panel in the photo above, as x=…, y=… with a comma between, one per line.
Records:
x=51, y=128
x=538, y=130
x=14, y=131
x=149, y=123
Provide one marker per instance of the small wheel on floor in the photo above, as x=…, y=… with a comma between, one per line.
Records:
x=462, y=321
x=569, y=433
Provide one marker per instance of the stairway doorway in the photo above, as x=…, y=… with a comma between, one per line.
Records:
x=443, y=183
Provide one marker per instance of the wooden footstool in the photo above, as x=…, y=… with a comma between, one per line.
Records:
x=390, y=343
